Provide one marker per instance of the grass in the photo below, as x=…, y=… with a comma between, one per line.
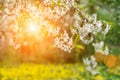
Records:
x=56, y=72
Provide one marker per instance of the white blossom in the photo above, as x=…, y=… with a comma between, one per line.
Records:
x=94, y=72
x=17, y=46
x=64, y=42
x=106, y=51
x=77, y=17
x=106, y=29
x=53, y=31
x=86, y=61
x=91, y=65
x=73, y=31
x=86, y=41
x=11, y=42
x=99, y=47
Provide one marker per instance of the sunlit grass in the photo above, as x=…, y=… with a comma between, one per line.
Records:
x=55, y=72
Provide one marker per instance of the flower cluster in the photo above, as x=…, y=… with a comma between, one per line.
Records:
x=64, y=42
x=91, y=65
x=13, y=44
x=60, y=9
x=48, y=14
x=53, y=31
x=99, y=47
x=89, y=27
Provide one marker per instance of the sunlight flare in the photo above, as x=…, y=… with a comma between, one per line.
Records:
x=32, y=28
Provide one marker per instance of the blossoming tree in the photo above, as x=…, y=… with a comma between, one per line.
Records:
x=25, y=21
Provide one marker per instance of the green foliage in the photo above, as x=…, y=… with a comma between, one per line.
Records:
x=108, y=10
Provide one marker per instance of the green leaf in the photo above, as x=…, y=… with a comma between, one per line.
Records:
x=80, y=47
x=76, y=39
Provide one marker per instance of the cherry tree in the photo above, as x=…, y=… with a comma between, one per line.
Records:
x=25, y=21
